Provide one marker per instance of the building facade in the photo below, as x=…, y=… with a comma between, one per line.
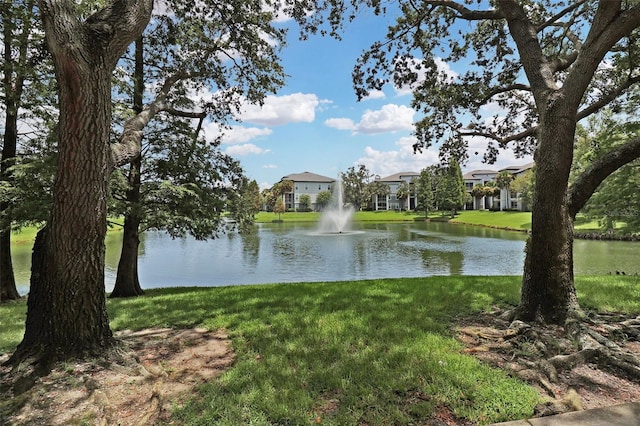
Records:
x=506, y=200
x=393, y=201
x=306, y=183
x=311, y=184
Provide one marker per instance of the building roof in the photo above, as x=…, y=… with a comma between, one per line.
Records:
x=519, y=169
x=307, y=177
x=399, y=177
x=473, y=173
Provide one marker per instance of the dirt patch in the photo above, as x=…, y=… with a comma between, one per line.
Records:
x=493, y=340
x=170, y=363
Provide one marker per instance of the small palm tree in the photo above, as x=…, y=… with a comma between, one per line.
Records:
x=403, y=193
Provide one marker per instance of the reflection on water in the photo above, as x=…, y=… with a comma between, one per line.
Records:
x=295, y=252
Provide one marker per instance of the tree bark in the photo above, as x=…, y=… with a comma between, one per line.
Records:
x=66, y=308
x=548, y=291
x=127, y=278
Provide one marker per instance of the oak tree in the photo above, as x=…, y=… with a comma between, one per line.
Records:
x=66, y=309
x=546, y=65
x=354, y=186
x=187, y=183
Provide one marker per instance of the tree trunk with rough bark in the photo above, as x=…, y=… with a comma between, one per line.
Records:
x=66, y=308
x=548, y=292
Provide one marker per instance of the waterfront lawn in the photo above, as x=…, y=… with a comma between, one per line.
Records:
x=359, y=216
x=510, y=220
x=373, y=352
x=364, y=352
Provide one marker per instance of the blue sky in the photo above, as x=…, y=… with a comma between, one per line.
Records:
x=315, y=123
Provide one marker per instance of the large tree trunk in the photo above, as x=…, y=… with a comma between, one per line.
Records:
x=548, y=291
x=127, y=279
x=66, y=308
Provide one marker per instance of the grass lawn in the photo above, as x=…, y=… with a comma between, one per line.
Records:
x=375, y=352
x=363, y=216
x=27, y=234
x=511, y=220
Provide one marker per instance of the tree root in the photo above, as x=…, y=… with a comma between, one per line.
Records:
x=544, y=355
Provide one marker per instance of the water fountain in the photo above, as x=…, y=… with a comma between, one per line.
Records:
x=336, y=218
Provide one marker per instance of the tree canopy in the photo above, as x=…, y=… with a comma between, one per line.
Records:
x=354, y=185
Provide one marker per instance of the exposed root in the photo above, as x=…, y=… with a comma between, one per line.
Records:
x=549, y=356
x=155, y=370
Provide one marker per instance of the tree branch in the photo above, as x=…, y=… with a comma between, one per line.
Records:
x=130, y=144
x=504, y=89
x=608, y=98
x=586, y=184
x=610, y=24
x=551, y=21
x=503, y=140
x=466, y=13
x=536, y=67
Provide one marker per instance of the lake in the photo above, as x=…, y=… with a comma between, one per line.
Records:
x=293, y=252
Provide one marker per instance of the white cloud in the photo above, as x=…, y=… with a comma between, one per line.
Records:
x=506, y=157
x=279, y=110
x=269, y=166
x=245, y=149
x=375, y=94
x=240, y=134
x=340, y=123
x=403, y=159
x=235, y=134
x=264, y=185
x=447, y=75
x=390, y=118
x=385, y=163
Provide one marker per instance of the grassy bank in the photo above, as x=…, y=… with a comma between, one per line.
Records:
x=364, y=216
x=366, y=352
x=27, y=234
x=520, y=221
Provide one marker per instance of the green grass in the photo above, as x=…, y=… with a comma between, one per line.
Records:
x=510, y=220
x=27, y=234
x=521, y=221
x=360, y=216
x=372, y=352
x=585, y=224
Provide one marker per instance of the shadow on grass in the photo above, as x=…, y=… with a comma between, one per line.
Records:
x=349, y=353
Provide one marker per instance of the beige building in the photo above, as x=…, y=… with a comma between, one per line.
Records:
x=307, y=183
x=507, y=200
